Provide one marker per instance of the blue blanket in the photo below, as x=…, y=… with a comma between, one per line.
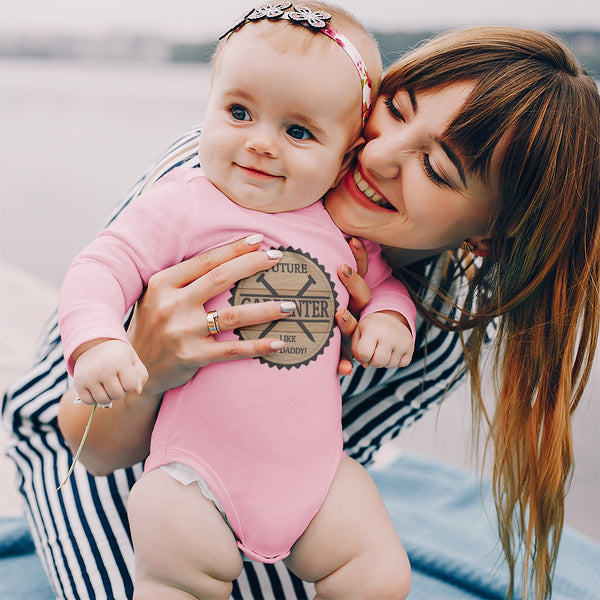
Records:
x=445, y=518
x=21, y=573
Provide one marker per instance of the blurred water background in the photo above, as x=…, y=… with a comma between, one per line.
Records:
x=74, y=135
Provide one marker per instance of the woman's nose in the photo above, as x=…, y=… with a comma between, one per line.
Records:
x=262, y=142
x=382, y=158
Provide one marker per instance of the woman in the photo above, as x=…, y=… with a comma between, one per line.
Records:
x=513, y=168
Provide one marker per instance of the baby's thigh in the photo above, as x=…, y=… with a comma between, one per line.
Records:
x=179, y=537
x=351, y=548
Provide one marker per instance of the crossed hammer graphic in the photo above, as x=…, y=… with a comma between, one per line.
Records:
x=309, y=282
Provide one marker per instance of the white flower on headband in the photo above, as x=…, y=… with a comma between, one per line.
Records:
x=299, y=14
x=314, y=19
x=271, y=11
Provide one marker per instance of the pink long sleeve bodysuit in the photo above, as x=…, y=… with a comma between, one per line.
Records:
x=267, y=439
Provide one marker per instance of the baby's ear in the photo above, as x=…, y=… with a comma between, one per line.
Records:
x=348, y=158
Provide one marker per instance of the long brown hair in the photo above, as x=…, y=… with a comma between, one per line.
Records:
x=541, y=276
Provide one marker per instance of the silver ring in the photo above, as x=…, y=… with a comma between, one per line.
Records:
x=212, y=319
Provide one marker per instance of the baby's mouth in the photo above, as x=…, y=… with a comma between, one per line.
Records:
x=369, y=192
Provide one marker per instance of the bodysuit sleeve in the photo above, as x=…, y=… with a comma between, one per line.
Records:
x=387, y=293
x=109, y=275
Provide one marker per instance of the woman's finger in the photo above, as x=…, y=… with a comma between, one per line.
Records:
x=360, y=256
x=235, y=350
x=359, y=291
x=223, y=276
x=243, y=315
x=346, y=322
x=189, y=270
x=345, y=367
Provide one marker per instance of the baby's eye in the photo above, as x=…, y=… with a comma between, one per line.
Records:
x=299, y=133
x=239, y=113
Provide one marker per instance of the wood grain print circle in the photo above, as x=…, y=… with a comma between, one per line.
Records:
x=306, y=333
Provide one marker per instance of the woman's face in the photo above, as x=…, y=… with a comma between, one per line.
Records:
x=409, y=188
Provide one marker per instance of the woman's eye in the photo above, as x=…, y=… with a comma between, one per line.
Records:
x=299, y=133
x=239, y=113
x=393, y=109
x=430, y=172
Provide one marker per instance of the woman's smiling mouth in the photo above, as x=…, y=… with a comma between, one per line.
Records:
x=369, y=192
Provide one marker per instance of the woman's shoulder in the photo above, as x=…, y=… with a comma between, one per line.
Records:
x=181, y=153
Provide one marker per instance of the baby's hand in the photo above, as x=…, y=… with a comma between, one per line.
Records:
x=107, y=370
x=383, y=340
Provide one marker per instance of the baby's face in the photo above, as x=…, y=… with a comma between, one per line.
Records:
x=282, y=116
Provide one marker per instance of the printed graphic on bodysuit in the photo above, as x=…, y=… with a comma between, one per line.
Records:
x=298, y=277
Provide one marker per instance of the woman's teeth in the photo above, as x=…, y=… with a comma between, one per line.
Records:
x=369, y=192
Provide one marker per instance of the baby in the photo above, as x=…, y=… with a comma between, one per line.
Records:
x=260, y=440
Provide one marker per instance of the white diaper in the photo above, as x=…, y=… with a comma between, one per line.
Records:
x=187, y=475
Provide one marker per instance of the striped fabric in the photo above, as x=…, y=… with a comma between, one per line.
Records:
x=81, y=534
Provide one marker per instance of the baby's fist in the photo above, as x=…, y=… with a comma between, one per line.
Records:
x=108, y=370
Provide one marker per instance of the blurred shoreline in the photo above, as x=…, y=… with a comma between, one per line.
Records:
x=118, y=46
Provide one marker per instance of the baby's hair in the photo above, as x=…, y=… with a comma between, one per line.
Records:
x=342, y=21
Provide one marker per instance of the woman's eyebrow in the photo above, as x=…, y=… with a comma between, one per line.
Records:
x=453, y=158
x=450, y=153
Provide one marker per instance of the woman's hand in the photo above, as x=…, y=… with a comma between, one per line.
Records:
x=169, y=326
x=169, y=331
x=360, y=294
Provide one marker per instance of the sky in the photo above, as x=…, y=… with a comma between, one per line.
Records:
x=204, y=20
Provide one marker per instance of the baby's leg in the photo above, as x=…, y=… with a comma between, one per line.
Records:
x=350, y=549
x=183, y=547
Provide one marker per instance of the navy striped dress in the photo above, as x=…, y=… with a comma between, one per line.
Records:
x=81, y=534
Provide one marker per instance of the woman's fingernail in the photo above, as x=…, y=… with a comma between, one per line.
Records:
x=274, y=254
x=287, y=307
x=276, y=345
x=346, y=270
x=356, y=243
x=345, y=316
x=255, y=238
x=77, y=400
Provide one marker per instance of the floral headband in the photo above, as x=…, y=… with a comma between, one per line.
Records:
x=316, y=21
